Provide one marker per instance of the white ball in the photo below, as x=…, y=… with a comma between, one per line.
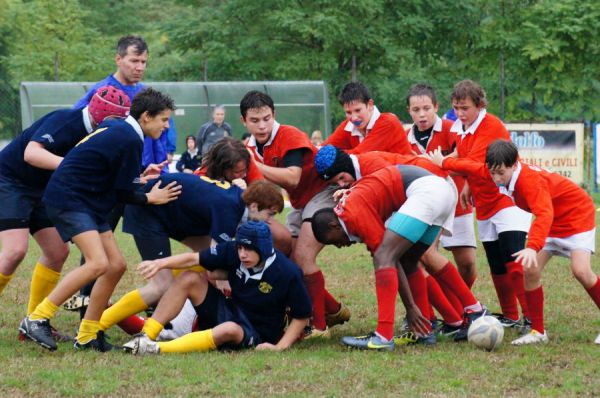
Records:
x=486, y=332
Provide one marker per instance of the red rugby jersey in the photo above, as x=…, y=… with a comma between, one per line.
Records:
x=386, y=135
x=561, y=208
x=370, y=162
x=370, y=202
x=488, y=201
x=445, y=139
x=288, y=138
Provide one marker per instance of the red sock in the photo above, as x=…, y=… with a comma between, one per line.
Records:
x=132, y=324
x=506, y=296
x=386, y=287
x=470, y=281
x=535, y=303
x=450, y=277
x=594, y=292
x=331, y=305
x=453, y=299
x=418, y=288
x=515, y=270
x=438, y=299
x=315, y=284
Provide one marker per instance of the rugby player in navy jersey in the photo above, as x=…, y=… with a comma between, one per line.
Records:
x=206, y=210
x=264, y=283
x=102, y=169
x=26, y=165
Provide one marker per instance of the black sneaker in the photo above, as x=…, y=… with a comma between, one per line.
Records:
x=39, y=331
x=506, y=322
x=447, y=330
x=99, y=343
x=469, y=316
x=524, y=326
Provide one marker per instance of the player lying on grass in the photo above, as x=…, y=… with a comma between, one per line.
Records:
x=206, y=210
x=564, y=223
x=26, y=165
x=342, y=169
x=265, y=285
x=102, y=169
x=420, y=204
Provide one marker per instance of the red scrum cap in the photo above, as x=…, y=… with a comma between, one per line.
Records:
x=109, y=101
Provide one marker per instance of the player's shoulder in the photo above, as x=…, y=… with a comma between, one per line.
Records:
x=389, y=119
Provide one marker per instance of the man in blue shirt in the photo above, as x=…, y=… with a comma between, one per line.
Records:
x=264, y=286
x=26, y=166
x=102, y=169
x=131, y=60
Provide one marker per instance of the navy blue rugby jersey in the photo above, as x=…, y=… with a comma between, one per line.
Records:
x=264, y=296
x=58, y=132
x=107, y=160
x=205, y=207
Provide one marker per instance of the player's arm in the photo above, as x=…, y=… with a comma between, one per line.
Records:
x=179, y=261
x=38, y=156
x=292, y=333
x=289, y=175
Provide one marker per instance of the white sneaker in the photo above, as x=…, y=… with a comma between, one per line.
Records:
x=597, y=341
x=533, y=337
x=141, y=345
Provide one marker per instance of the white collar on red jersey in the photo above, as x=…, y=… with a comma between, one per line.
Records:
x=353, y=238
x=457, y=127
x=252, y=141
x=510, y=189
x=136, y=126
x=353, y=130
x=87, y=121
x=437, y=127
x=356, y=167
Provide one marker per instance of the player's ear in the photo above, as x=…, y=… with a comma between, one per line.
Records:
x=242, y=120
x=253, y=207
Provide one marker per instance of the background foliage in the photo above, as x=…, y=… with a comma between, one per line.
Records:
x=537, y=59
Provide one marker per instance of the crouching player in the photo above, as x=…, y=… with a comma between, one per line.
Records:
x=100, y=170
x=264, y=283
x=424, y=203
x=564, y=224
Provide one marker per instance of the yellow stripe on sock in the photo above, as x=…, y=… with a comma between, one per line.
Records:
x=152, y=328
x=45, y=310
x=43, y=281
x=193, y=342
x=129, y=304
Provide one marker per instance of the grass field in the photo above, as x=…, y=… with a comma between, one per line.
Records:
x=567, y=366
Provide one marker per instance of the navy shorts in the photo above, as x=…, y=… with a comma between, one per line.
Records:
x=217, y=309
x=21, y=207
x=72, y=223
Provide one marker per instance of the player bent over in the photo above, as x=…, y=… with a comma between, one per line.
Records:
x=424, y=203
x=26, y=166
x=100, y=170
x=564, y=225
x=264, y=283
x=206, y=210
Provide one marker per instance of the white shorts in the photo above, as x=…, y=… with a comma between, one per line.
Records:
x=431, y=200
x=463, y=233
x=322, y=200
x=181, y=324
x=508, y=219
x=564, y=246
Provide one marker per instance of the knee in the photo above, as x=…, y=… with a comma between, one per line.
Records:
x=189, y=280
x=232, y=332
x=118, y=267
x=583, y=274
x=57, y=255
x=98, y=267
x=14, y=255
x=531, y=273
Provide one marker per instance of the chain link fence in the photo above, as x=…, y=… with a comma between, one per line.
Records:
x=10, y=112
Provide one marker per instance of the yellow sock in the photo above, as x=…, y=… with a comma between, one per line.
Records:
x=45, y=310
x=130, y=304
x=4, y=279
x=192, y=342
x=43, y=281
x=152, y=328
x=87, y=330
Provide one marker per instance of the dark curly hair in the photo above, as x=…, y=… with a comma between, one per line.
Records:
x=224, y=155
